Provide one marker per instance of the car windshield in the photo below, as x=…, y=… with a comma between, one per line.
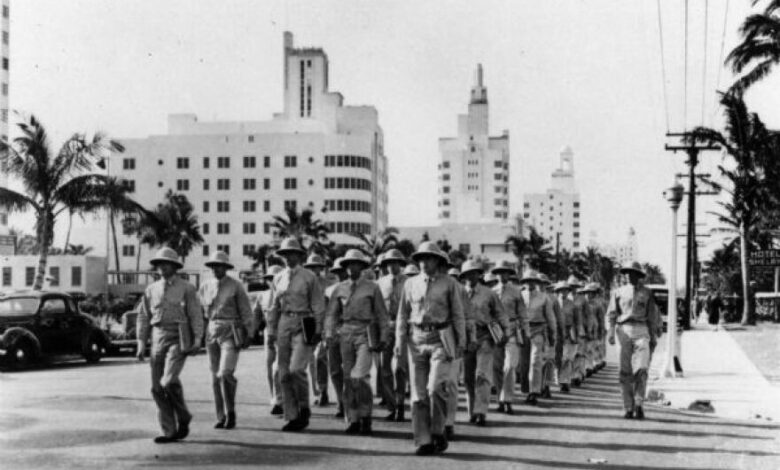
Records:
x=19, y=306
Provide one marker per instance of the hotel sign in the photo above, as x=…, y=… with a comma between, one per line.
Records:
x=764, y=258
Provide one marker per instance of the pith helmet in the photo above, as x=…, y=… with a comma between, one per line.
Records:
x=489, y=277
x=411, y=270
x=573, y=282
x=544, y=279
x=561, y=285
x=337, y=266
x=273, y=271
x=503, y=266
x=469, y=266
x=355, y=256
x=219, y=258
x=290, y=245
x=532, y=276
x=430, y=249
x=392, y=255
x=314, y=261
x=633, y=267
x=591, y=287
x=454, y=272
x=166, y=255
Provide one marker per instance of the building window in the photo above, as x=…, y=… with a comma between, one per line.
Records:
x=290, y=205
x=267, y=161
x=6, y=13
x=205, y=162
x=205, y=228
x=445, y=177
x=445, y=189
x=225, y=248
x=266, y=183
x=7, y=276
x=290, y=183
x=205, y=185
x=5, y=89
x=223, y=228
x=445, y=164
x=445, y=214
x=223, y=206
x=576, y=224
x=464, y=248
x=576, y=205
x=290, y=161
x=129, y=184
x=5, y=63
x=576, y=234
x=205, y=206
x=127, y=163
x=445, y=202
x=128, y=250
x=29, y=276
x=499, y=176
x=250, y=162
x=266, y=206
x=223, y=162
x=223, y=184
x=54, y=276
x=182, y=163
x=182, y=185
x=205, y=250
x=249, y=228
x=526, y=215
x=576, y=215
x=267, y=227
x=250, y=206
x=250, y=183
x=251, y=139
x=75, y=276
x=498, y=164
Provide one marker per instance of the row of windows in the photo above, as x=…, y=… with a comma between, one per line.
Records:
x=246, y=249
x=347, y=205
x=54, y=276
x=183, y=163
x=348, y=227
x=354, y=161
x=527, y=205
x=348, y=183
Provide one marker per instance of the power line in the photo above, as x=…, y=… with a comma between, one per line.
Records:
x=720, y=60
x=685, y=79
x=663, y=63
x=704, y=66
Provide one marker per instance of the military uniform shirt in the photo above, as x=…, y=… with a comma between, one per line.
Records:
x=357, y=301
x=226, y=299
x=296, y=291
x=514, y=305
x=486, y=307
x=633, y=304
x=431, y=300
x=392, y=287
x=167, y=303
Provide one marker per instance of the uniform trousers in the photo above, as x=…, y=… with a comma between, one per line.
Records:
x=511, y=358
x=356, y=357
x=580, y=359
x=548, y=364
x=452, y=383
x=567, y=362
x=429, y=368
x=386, y=382
x=524, y=365
x=293, y=357
x=336, y=368
x=223, y=358
x=167, y=362
x=536, y=361
x=318, y=369
x=272, y=370
x=478, y=375
x=634, y=350
x=400, y=366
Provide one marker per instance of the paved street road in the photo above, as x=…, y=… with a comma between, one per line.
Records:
x=79, y=416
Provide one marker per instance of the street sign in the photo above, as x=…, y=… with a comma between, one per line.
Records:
x=764, y=258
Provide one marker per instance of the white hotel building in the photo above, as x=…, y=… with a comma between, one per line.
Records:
x=5, y=247
x=318, y=153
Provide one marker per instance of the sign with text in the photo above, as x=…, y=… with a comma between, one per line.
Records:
x=764, y=258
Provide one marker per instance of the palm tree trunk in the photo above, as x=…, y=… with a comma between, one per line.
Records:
x=67, y=236
x=138, y=257
x=743, y=258
x=43, y=243
x=113, y=236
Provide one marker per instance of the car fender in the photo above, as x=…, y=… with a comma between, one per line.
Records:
x=15, y=334
x=102, y=337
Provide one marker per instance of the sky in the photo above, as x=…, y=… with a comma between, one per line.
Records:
x=584, y=73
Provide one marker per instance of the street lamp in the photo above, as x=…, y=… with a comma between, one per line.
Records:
x=672, y=366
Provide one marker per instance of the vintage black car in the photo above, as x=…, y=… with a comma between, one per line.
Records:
x=39, y=324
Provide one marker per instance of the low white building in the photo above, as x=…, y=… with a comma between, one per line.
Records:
x=63, y=273
x=487, y=240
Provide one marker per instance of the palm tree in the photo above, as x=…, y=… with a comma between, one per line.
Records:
x=760, y=46
x=259, y=255
x=57, y=183
x=79, y=250
x=653, y=274
x=750, y=188
x=309, y=231
x=379, y=242
x=722, y=270
x=172, y=224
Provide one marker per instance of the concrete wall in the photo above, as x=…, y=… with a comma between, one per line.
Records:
x=93, y=272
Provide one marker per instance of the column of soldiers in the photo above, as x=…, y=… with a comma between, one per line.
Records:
x=424, y=326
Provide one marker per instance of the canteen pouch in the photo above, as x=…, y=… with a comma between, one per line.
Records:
x=239, y=336
x=372, y=331
x=185, y=337
x=496, y=332
x=309, y=327
x=447, y=337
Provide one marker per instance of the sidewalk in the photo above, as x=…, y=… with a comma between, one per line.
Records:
x=716, y=370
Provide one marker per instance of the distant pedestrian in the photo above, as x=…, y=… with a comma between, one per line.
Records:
x=335, y=365
x=634, y=319
x=543, y=331
x=318, y=363
x=171, y=309
x=262, y=309
x=393, y=384
x=226, y=306
x=714, y=306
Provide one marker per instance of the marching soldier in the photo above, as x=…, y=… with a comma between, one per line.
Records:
x=542, y=331
x=170, y=307
x=633, y=317
x=507, y=358
x=596, y=311
x=600, y=308
x=393, y=381
x=492, y=331
x=569, y=329
x=262, y=307
x=431, y=304
x=551, y=359
x=295, y=325
x=318, y=363
x=334, y=345
x=229, y=315
x=457, y=363
x=357, y=304
x=580, y=370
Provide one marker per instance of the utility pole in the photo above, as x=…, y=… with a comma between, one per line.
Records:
x=691, y=258
x=558, y=256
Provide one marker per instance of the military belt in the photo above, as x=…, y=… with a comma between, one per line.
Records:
x=428, y=327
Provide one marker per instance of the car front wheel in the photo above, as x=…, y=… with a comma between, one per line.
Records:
x=93, y=351
x=21, y=355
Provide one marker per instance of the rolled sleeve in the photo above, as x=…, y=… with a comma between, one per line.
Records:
x=458, y=317
x=194, y=311
x=143, y=320
x=402, y=318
